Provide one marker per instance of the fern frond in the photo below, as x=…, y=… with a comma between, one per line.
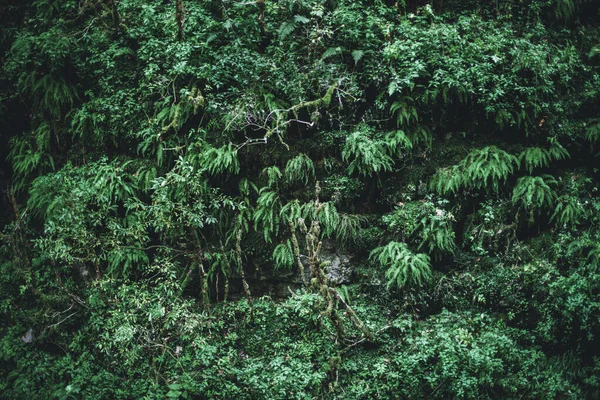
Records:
x=592, y=133
x=30, y=154
x=568, y=211
x=245, y=185
x=343, y=292
x=421, y=135
x=485, y=168
x=223, y=159
x=537, y=157
x=348, y=228
x=488, y=164
x=219, y=262
x=405, y=111
x=534, y=192
x=50, y=92
x=403, y=266
x=122, y=260
x=534, y=157
x=266, y=213
x=42, y=194
x=357, y=55
x=593, y=256
x=286, y=28
x=273, y=174
x=332, y=51
x=301, y=19
x=145, y=177
x=447, y=180
x=329, y=218
x=398, y=141
x=291, y=211
x=283, y=256
x=556, y=150
x=437, y=235
x=366, y=155
x=564, y=9
x=426, y=223
x=299, y=169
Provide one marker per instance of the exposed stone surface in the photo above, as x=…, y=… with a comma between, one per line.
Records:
x=280, y=283
x=29, y=336
x=339, y=270
x=338, y=267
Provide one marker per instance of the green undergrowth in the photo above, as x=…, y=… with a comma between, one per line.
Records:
x=306, y=199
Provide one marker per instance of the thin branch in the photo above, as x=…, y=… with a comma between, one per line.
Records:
x=363, y=339
x=61, y=321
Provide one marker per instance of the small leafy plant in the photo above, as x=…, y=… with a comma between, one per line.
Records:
x=404, y=268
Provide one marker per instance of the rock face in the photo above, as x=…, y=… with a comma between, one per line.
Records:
x=339, y=268
x=280, y=283
x=29, y=336
x=339, y=271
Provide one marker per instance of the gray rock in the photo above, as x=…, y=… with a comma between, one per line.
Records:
x=337, y=264
x=338, y=269
x=29, y=336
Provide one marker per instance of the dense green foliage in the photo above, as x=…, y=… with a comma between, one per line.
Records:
x=183, y=179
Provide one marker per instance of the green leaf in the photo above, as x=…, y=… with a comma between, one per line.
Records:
x=285, y=29
x=332, y=51
x=357, y=55
x=403, y=266
x=301, y=19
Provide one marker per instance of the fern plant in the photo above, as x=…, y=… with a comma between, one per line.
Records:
x=223, y=159
x=173, y=115
x=397, y=142
x=488, y=166
x=564, y=9
x=342, y=227
x=534, y=193
x=30, y=154
x=38, y=64
x=437, y=234
x=283, y=256
x=292, y=211
x=287, y=27
x=421, y=135
x=404, y=267
x=425, y=224
x=365, y=154
x=537, y=157
x=299, y=169
x=266, y=213
x=592, y=133
x=405, y=111
x=328, y=218
x=144, y=176
x=273, y=175
x=348, y=228
x=50, y=92
x=122, y=260
x=568, y=211
x=447, y=180
x=485, y=168
x=44, y=195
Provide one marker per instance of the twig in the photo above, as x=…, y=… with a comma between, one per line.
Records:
x=363, y=339
x=63, y=320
